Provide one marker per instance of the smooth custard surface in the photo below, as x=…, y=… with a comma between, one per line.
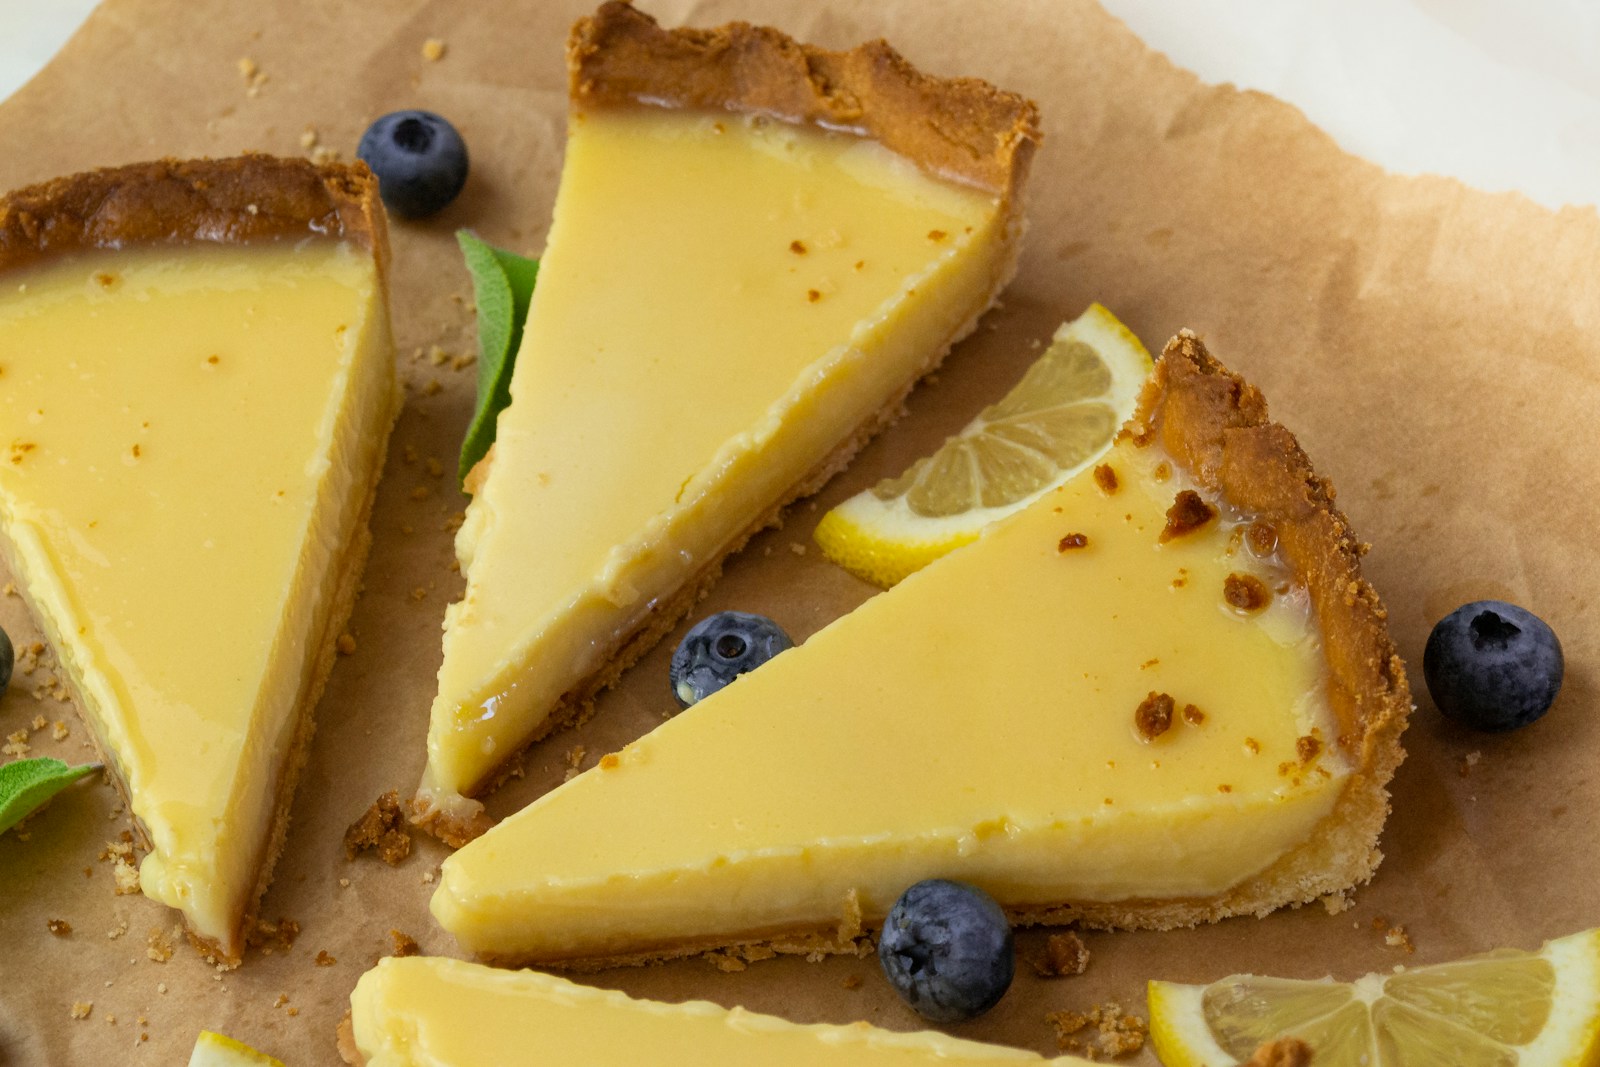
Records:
x=978, y=721
x=428, y=1012
x=182, y=429
x=723, y=300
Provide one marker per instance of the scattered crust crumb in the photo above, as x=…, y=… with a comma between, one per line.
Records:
x=157, y=947
x=1285, y=1052
x=40, y=722
x=1105, y=1030
x=82, y=1008
x=280, y=934
x=381, y=827
x=1188, y=513
x=725, y=962
x=59, y=927
x=345, y=645
x=1193, y=715
x=1469, y=761
x=404, y=944
x=1394, y=936
x=797, y=548
x=59, y=731
x=323, y=959
x=574, y=761
x=433, y=49
x=1153, y=717
x=127, y=877
x=1307, y=748
x=610, y=761
x=852, y=981
x=1336, y=903
x=308, y=138
x=1071, y=541
x=16, y=744
x=1105, y=476
x=1064, y=954
x=322, y=154
x=1245, y=592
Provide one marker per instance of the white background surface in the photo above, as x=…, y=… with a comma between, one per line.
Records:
x=1503, y=94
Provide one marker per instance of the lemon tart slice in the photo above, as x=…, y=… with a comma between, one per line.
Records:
x=1159, y=695
x=757, y=248
x=196, y=388
x=446, y=1013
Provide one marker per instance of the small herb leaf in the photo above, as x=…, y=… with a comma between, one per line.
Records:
x=502, y=286
x=27, y=783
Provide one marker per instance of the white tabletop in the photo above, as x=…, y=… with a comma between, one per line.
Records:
x=1502, y=94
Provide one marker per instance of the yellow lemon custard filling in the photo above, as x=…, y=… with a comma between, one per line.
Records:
x=727, y=305
x=1117, y=705
x=426, y=1012
x=192, y=435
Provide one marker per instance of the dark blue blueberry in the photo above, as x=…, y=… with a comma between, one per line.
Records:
x=720, y=648
x=1492, y=665
x=8, y=660
x=946, y=948
x=420, y=161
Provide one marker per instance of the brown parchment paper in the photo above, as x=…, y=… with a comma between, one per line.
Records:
x=1434, y=348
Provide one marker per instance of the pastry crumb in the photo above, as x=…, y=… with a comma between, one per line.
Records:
x=346, y=644
x=157, y=948
x=1105, y=476
x=797, y=548
x=1336, y=903
x=404, y=944
x=1153, y=717
x=1469, y=761
x=1188, y=513
x=1064, y=954
x=1105, y=1030
x=725, y=962
x=82, y=1008
x=323, y=959
x=1071, y=541
x=266, y=936
x=433, y=49
x=59, y=731
x=852, y=981
x=59, y=927
x=573, y=758
x=1245, y=593
x=610, y=762
x=126, y=876
x=381, y=827
x=1307, y=748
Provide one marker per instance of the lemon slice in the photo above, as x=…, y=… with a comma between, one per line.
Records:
x=214, y=1050
x=1058, y=420
x=1501, y=1009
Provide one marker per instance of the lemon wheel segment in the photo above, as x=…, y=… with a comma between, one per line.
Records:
x=1053, y=424
x=1502, y=1009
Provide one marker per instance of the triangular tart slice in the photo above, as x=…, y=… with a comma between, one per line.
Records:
x=422, y=1010
x=757, y=248
x=196, y=389
x=1160, y=695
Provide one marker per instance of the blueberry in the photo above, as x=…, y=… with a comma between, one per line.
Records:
x=946, y=948
x=8, y=659
x=420, y=161
x=1492, y=665
x=720, y=648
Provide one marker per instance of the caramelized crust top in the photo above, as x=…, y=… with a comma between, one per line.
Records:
x=220, y=201
x=959, y=128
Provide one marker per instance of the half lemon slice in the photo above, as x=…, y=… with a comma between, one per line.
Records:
x=1057, y=421
x=1501, y=1009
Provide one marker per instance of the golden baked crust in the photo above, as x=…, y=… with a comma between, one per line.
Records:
x=223, y=201
x=1215, y=425
x=960, y=128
